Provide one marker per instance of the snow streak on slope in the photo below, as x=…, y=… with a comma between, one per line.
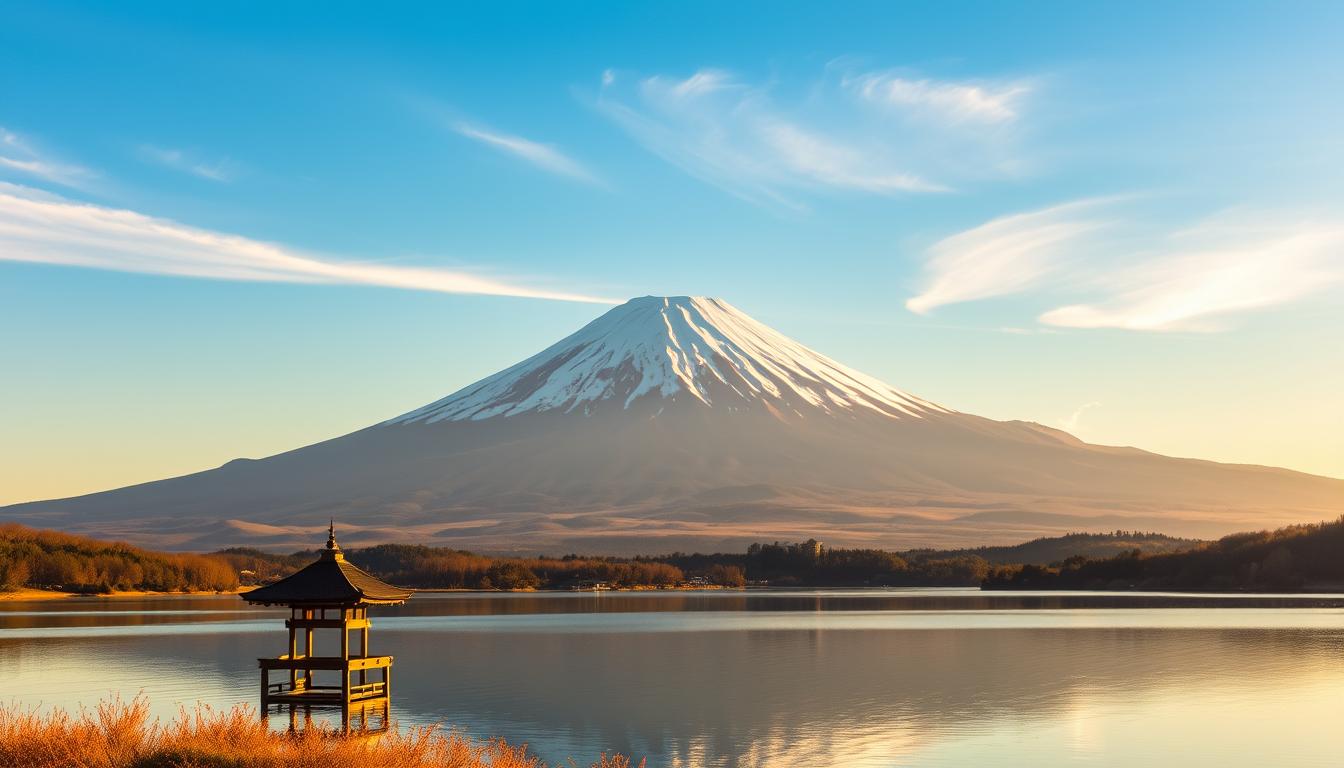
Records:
x=702, y=348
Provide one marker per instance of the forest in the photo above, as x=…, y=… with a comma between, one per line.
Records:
x=1291, y=559
x=1053, y=549
x=1294, y=558
x=805, y=564
x=43, y=559
x=811, y=564
x=422, y=567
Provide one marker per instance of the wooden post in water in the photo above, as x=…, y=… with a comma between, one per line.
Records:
x=364, y=644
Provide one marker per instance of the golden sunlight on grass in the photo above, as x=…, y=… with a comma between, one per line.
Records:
x=118, y=734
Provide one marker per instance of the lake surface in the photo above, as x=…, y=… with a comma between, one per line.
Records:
x=843, y=678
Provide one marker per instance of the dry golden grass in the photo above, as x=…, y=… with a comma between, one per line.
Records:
x=119, y=734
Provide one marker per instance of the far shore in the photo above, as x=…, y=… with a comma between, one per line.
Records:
x=28, y=593
x=1323, y=590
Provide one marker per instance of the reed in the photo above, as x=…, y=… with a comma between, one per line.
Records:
x=121, y=734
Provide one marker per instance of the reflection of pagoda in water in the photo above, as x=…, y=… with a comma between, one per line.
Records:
x=329, y=594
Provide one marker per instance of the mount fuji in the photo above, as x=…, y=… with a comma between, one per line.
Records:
x=682, y=423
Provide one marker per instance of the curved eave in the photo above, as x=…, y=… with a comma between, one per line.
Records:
x=337, y=603
x=329, y=582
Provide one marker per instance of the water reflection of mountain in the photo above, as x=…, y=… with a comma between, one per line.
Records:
x=823, y=691
x=737, y=692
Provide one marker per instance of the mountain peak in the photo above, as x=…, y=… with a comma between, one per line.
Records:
x=663, y=349
x=669, y=300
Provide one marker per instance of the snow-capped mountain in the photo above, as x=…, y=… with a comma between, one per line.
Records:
x=673, y=349
x=682, y=423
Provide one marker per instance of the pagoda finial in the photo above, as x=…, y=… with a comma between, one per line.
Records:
x=333, y=550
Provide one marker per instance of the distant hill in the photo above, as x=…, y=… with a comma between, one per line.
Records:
x=1295, y=558
x=1046, y=551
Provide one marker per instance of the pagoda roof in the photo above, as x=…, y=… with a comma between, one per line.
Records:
x=330, y=581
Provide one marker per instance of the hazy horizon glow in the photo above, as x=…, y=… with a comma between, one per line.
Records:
x=1126, y=221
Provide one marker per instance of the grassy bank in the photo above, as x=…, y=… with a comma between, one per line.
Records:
x=118, y=734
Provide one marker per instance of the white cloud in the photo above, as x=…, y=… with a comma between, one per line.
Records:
x=18, y=155
x=1140, y=278
x=1071, y=423
x=46, y=229
x=702, y=82
x=733, y=135
x=187, y=162
x=542, y=156
x=832, y=164
x=954, y=101
x=1005, y=255
x=1212, y=271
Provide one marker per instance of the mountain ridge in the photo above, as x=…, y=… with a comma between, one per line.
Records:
x=683, y=421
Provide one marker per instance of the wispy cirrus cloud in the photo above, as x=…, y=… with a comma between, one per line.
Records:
x=1071, y=423
x=1205, y=274
x=1137, y=277
x=815, y=157
x=221, y=170
x=1006, y=255
x=21, y=156
x=841, y=135
x=957, y=101
x=42, y=228
x=543, y=156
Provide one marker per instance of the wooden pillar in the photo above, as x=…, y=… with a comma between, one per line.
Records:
x=293, y=648
x=265, y=689
x=345, y=669
x=364, y=648
x=308, y=649
x=345, y=639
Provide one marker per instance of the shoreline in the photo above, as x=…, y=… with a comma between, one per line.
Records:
x=29, y=594
x=24, y=594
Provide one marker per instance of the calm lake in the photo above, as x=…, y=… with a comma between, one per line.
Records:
x=843, y=678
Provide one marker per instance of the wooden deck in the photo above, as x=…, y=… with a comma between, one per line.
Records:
x=351, y=664
x=324, y=695
x=300, y=690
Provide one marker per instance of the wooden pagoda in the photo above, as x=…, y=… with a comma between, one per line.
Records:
x=329, y=594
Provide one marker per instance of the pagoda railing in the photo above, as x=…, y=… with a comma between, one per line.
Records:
x=353, y=666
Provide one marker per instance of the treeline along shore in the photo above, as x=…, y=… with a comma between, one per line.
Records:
x=806, y=564
x=1297, y=558
x=52, y=560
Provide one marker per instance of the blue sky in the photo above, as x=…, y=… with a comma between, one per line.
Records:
x=216, y=222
